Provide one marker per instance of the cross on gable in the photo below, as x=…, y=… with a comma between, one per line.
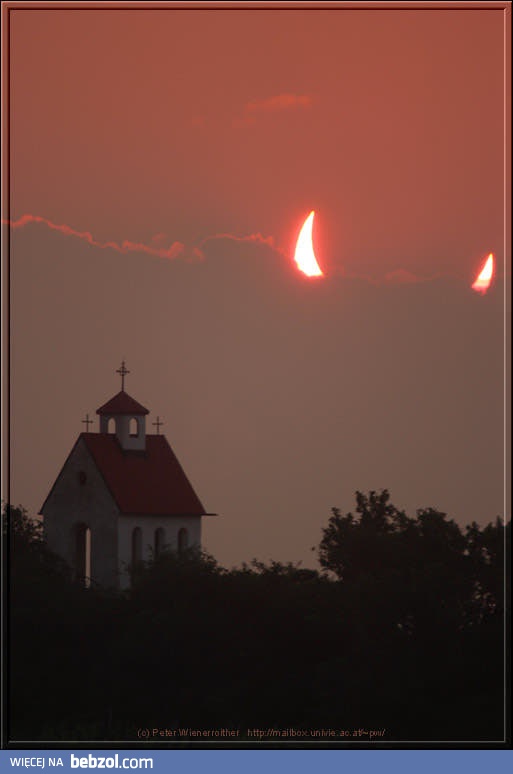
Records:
x=87, y=422
x=123, y=372
x=158, y=423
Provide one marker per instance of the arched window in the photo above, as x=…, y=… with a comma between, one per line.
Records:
x=183, y=539
x=111, y=425
x=136, y=548
x=160, y=536
x=83, y=554
x=133, y=427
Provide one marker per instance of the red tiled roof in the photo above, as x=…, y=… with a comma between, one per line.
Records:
x=145, y=482
x=122, y=403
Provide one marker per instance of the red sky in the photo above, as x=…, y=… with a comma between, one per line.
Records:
x=171, y=128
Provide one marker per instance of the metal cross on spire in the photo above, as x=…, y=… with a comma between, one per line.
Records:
x=123, y=371
x=87, y=422
x=158, y=423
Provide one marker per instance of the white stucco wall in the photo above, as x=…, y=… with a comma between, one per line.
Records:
x=122, y=424
x=148, y=525
x=71, y=503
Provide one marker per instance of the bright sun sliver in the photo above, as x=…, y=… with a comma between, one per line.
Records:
x=484, y=277
x=304, y=255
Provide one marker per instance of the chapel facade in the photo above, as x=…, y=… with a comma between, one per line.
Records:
x=121, y=497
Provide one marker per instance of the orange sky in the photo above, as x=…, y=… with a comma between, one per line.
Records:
x=128, y=123
x=209, y=135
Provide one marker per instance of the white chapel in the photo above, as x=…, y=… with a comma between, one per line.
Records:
x=121, y=497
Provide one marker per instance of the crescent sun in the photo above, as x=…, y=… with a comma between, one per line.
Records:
x=305, y=255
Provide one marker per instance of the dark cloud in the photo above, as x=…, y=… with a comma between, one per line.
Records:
x=174, y=250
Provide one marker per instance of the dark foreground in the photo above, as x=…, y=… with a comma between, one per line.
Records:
x=402, y=641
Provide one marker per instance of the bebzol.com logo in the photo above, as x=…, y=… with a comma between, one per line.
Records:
x=113, y=762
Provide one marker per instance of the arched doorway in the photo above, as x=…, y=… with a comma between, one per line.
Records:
x=183, y=539
x=160, y=537
x=82, y=563
x=136, y=548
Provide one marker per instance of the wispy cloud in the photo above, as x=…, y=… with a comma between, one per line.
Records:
x=276, y=103
x=155, y=247
x=258, y=239
x=193, y=253
x=174, y=250
x=198, y=122
x=249, y=238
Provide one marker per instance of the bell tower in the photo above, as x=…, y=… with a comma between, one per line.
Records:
x=127, y=416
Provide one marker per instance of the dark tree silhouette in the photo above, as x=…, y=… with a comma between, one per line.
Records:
x=427, y=566
x=402, y=630
x=430, y=598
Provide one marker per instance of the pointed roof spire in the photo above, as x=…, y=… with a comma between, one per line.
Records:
x=122, y=403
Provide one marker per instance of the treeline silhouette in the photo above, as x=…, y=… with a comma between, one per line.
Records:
x=401, y=631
